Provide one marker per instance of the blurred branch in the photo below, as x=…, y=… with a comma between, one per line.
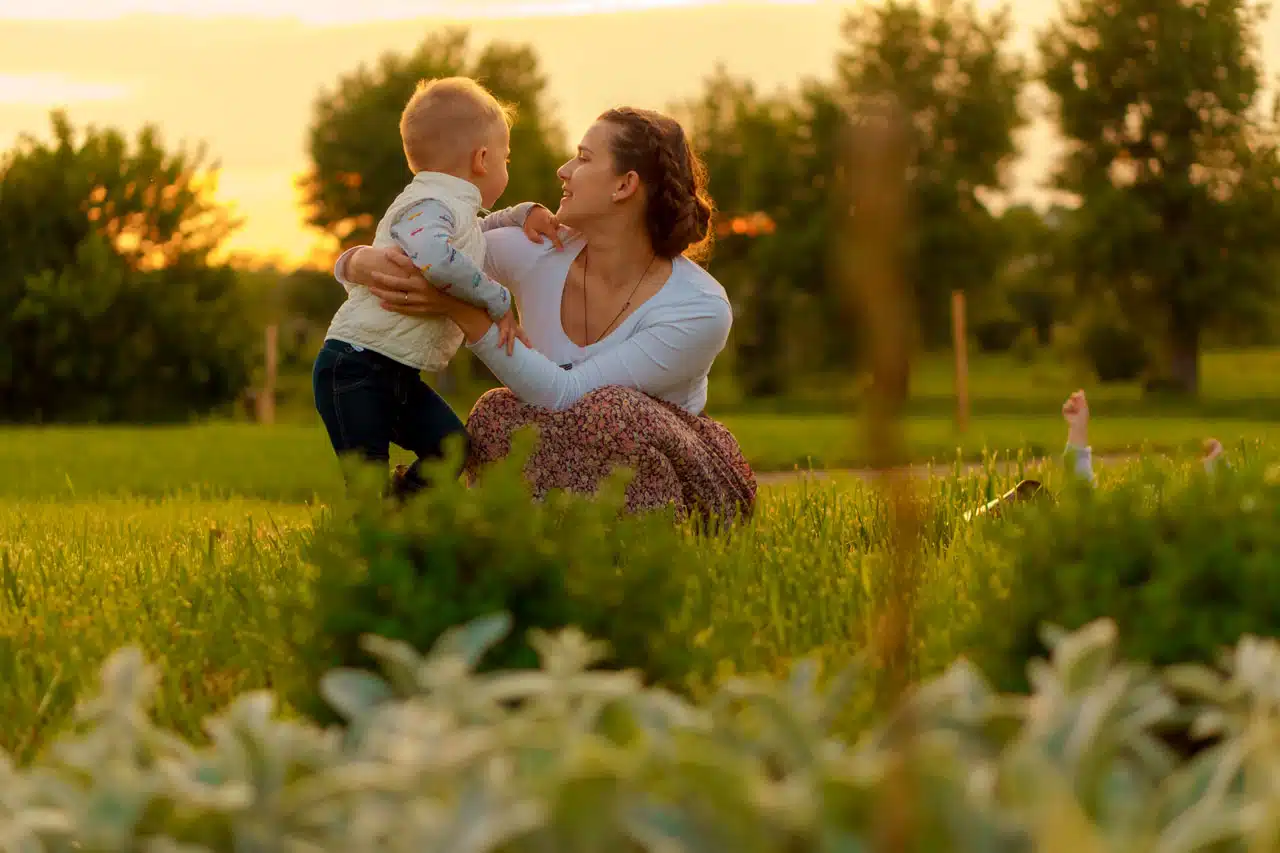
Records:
x=875, y=173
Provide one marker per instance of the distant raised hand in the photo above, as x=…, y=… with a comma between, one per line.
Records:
x=1076, y=413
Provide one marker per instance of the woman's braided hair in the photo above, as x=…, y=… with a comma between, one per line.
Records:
x=654, y=146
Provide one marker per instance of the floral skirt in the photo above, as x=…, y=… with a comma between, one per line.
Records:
x=689, y=461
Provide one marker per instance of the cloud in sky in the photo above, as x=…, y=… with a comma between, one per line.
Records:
x=51, y=89
x=322, y=12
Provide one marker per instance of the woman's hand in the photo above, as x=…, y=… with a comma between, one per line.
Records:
x=390, y=275
x=391, y=263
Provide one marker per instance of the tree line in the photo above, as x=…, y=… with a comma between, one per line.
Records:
x=111, y=307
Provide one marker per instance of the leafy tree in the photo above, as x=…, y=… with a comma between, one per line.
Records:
x=949, y=68
x=951, y=72
x=110, y=305
x=357, y=161
x=1175, y=169
x=772, y=155
x=1031, y=282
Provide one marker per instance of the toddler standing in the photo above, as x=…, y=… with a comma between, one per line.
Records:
x=366, y=378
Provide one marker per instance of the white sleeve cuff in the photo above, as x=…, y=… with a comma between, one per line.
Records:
x=523, y=209
x=488, y=341
x=1083, y=457
x=340, y=268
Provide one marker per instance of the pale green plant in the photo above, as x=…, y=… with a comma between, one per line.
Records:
x=435, y=756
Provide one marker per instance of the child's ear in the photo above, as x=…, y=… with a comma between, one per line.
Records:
x=480, y=161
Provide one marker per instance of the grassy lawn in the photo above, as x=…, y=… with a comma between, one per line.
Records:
x=207, y=588
x=1014, y=408
x=216, y=591
x=192, y=541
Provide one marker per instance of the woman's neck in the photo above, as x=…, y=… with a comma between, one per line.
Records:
x=617, y=259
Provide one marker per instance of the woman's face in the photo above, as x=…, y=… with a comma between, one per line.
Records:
x=590, y=178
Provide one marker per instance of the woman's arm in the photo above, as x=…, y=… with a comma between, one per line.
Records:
x=340, y=267
x=390, y=275
x=657, y=357
x=534, y=219
x=511, y=217
x=356, y=265
x=509, y=254
x=417, y=299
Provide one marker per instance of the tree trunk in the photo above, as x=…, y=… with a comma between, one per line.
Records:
x=762, y=361
x=1184, y=352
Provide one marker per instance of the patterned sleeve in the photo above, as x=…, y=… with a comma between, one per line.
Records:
x=424, y=232
x=511, y=217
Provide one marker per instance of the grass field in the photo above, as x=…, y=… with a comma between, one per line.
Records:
x=207, y=588
x=1014, y=407
x=214, y=591
x=192, y=541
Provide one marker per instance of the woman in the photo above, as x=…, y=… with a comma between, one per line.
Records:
x=624, y=327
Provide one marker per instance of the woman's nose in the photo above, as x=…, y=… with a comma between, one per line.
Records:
x=563, y=172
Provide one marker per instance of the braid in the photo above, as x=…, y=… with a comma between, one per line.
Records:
x=678, y=211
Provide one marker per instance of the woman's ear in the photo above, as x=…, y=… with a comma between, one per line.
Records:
x=627, y=186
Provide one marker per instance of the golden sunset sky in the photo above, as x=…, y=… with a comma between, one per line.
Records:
x=242, y=75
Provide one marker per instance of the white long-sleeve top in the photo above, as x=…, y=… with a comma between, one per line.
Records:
x=665, y=348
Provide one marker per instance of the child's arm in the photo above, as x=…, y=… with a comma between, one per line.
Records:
x=1076, y=413
x=423, y=231
x=536, y=220
x=511, y=217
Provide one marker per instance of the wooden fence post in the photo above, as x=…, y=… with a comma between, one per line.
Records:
x=267, y=398
x=960, y=340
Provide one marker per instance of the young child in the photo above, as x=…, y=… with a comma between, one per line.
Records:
x=1075, y=411
x=366, y=380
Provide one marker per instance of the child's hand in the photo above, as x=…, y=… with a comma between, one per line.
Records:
x=1076, y=413
x=509, y=331
x=1212, y=451
x=543, y=223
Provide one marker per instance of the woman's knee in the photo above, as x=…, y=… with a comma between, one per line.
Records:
x=495, y=397
x=612, y=397
x=618, y=418
x=494, y=403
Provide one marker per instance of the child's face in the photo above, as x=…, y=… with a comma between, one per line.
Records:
x=489, y=164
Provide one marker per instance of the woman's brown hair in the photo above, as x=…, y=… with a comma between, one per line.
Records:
x=679, y=211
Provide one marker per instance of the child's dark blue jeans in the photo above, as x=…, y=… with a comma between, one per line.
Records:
x=368, y=402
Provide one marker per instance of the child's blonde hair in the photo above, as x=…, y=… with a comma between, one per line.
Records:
x=447, y=119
